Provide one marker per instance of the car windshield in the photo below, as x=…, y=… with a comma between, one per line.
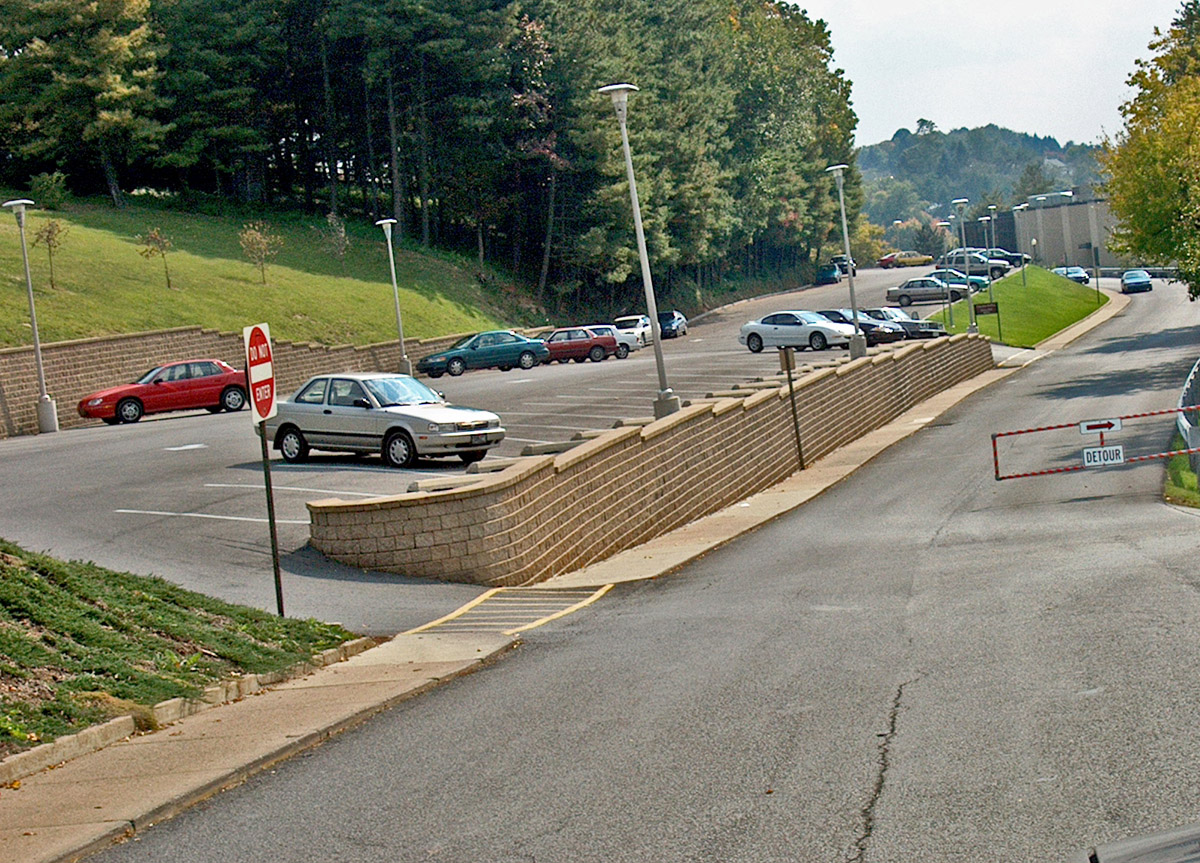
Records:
x=1137, y=274
x=462, y=342
x=401, y=390
x=666, y=317
x=813, y=318
x=628, y=323
x=149, y=376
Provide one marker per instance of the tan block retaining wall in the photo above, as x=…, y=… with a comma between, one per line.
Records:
x=76, y=368
x=545, y=515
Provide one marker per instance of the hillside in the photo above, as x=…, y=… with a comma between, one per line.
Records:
x=925, y=170
x=102, y=285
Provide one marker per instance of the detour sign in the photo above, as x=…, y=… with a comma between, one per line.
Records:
x=260, y=372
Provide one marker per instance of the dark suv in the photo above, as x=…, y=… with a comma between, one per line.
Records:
x=672, y=324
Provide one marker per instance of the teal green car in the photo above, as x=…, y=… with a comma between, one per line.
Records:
x=495, y=349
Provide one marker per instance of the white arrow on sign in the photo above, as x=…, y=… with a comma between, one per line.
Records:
x=1100, y=426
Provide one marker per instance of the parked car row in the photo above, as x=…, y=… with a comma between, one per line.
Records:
x=1075, y=274
x=833, y=328
x=904, y=259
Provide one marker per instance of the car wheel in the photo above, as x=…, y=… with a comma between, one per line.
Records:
x=505, y=368
x=435, y=374
x=996, y=273
x=129, y=410
x=622, y=351
x=233, y=399
x=472, y=456
x=754, y=343
x=818, y=342
x=904, y=300
x=292, y=445
x=456, y=367
x=955, y=296
x=596, y=354
x=527, y=360
x=398, y=450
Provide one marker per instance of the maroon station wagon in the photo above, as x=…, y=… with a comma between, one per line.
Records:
x=579, y=344
x=210, y=384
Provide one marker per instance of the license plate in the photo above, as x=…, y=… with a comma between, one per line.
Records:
x=478, y=438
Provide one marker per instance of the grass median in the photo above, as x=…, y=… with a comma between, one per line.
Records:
x=80, y=644
x=1029, y=309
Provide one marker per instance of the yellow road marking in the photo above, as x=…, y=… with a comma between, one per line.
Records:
x=599, y=593
x=459, y=612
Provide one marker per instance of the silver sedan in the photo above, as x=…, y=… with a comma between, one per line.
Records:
x=794, y=330
x=394, y=415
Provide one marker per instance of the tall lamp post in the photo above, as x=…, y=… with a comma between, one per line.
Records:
x=961, y=205
x=405, y=362
x=992, y=219
x=858, y=342
x=47, y=410
x=1041, y=204
x=986, y=223
x=1066, y=225
x=1020, y=208
x=947, y=306
x=667, y=402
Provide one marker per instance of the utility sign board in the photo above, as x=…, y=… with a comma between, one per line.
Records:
x=1103, y=456
x=1100, y=426
x=260, y=372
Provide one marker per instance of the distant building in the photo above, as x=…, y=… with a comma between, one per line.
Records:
x=1069, y=230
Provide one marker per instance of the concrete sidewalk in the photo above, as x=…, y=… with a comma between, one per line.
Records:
x=79, y=807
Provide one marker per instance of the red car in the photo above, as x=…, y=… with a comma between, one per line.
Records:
x=579, y=344
x=188, y=385
x=888, y=260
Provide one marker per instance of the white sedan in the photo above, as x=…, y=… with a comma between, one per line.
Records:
x=794, y=330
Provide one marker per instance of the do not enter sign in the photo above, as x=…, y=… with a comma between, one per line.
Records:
x=260, y=372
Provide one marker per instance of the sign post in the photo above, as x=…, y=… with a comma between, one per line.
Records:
x=787, y=364
x=260, y=384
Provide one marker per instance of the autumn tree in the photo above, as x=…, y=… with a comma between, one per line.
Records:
x=1153, y=164
x=259, y=245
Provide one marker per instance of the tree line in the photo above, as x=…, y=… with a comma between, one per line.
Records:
x=474, y=123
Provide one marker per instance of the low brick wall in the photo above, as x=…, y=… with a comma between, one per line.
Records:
x=74, y=369
x=545, y=515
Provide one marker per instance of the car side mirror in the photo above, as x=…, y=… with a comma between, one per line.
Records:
x=361, y=403
x=159, y=380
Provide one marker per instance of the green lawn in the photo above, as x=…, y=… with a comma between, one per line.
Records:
x=104, y=286
x=80, y=644
x=1045, y=304
x=1181, y=486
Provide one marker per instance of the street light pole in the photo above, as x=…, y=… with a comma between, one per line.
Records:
x=667, y=402
x=405, y=363
x=992, y=217
x=947, y=306
x=1020, y=208
x=858, y=342
x=47, y=410
x=961, y=205
x=986, y=221
x=1066, y=225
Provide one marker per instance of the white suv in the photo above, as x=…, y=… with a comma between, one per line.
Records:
x=637, y=326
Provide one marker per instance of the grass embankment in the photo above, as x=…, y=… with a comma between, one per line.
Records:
x=1181, y=486
x=1044, y=305
x=80, y=644
x=104, y=286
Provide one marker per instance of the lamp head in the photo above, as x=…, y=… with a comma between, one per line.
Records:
x=386, y=224
x=18, y=206
x=961, y=203
x=620, y=97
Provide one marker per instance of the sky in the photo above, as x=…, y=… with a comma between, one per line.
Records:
x=1043, y=67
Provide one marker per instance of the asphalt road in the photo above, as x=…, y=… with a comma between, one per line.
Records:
x=181, y=495
x=922, y=664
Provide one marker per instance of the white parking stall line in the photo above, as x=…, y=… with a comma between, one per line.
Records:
x=206, y=515
x=185, y=446
x=528, y=440
x=259, y=486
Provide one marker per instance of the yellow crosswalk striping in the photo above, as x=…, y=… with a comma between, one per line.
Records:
x=512, y=610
